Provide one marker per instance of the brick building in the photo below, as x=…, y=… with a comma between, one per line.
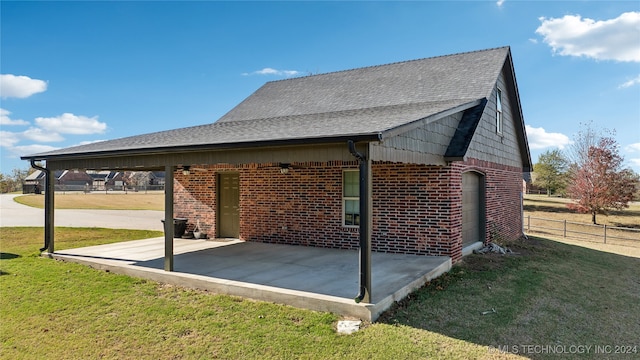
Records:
x=419, y=157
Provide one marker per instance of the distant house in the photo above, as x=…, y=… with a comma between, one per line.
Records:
x=33, y=183
x=434, y=148
x=106, y=180
x=65, y=180
x=73, y=180
x=144, y=180
x=156, y=178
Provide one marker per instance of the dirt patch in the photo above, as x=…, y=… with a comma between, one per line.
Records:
x=484, y=262
x=522, y=247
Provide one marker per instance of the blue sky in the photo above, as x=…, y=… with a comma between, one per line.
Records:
x=78, y=72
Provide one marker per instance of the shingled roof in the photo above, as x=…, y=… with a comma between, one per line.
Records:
x=367, y=103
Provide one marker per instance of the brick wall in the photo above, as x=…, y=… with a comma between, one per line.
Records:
x=303, y=207
x=416, y=208
x=503, y=201
x=195, y=198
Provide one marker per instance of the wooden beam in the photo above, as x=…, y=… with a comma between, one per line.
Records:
x=168, y=218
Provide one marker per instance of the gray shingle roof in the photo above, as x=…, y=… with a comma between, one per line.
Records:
x=462, y=76
x=365, y=101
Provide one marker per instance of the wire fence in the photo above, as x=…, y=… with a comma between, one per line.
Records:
x=605, y=234
x=107, y=189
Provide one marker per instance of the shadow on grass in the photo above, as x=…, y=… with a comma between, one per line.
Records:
x=632, y=226
x=498, y=300
x=8, y=256
x=548, y=208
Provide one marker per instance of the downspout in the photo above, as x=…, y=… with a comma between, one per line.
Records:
x=365, y=236
x=48, y=207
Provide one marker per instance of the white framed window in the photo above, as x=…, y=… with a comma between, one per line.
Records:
x=351, y=198
x=499, y=111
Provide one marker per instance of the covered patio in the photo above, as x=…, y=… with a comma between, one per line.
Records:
x=368, y=162
x=305, y=277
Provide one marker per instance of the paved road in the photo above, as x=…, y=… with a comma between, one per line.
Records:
x=14, y=214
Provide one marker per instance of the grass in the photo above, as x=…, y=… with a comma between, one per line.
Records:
x=99, y=201
x=51, y=309
x=548, y=293
x=545, y=216
x=556, y=208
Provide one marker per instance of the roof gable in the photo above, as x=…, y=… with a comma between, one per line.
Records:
x=469, y=76
x=464, y=133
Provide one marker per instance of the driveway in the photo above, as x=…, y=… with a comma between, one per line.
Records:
x=14, y=214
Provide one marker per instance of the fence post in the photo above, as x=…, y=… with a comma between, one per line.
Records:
x=605, y=233
x=528, y=223
x=564, y=232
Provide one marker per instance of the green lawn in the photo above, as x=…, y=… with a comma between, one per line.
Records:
x=549, y=294
x=99, y=201
x=552, y=207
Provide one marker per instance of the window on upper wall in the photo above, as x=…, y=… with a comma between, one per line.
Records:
x=351, y=198
x=499, y=111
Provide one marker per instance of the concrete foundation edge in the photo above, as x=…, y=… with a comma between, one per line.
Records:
x=295, y=298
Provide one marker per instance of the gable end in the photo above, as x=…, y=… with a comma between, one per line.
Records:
x=464, y=133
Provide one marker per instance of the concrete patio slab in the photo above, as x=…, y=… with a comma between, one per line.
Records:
x=306, y=277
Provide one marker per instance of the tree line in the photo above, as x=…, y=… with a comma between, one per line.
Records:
x=13, y=182
x=591, y=173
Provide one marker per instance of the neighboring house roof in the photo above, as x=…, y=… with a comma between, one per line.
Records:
x=103, y=175
x=368, y=103
x=36, y=175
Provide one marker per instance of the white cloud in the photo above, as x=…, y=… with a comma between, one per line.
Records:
x=47, y=130
x=6, y=120
x=630, y=83
x=88, y=142
x=8, y=139
x=539, y=138
x=500, y=2
x=20, y=86
x=614, y=39
x=40, y=135
x=271, y=71
x=68, y=123
x=32, y=149
x=633, y=148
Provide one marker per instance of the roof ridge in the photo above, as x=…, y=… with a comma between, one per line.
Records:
x=391, y=63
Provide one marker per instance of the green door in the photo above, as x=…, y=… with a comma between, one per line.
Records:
x=229, y=205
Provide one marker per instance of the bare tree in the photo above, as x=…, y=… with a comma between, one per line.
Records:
x=578, y=152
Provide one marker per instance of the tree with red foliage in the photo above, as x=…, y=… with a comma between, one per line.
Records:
x=600, y=183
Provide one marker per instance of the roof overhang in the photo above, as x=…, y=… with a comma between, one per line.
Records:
x=290, y=151
x=203, y=147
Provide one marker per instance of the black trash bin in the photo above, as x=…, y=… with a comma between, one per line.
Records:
x=179, y=226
